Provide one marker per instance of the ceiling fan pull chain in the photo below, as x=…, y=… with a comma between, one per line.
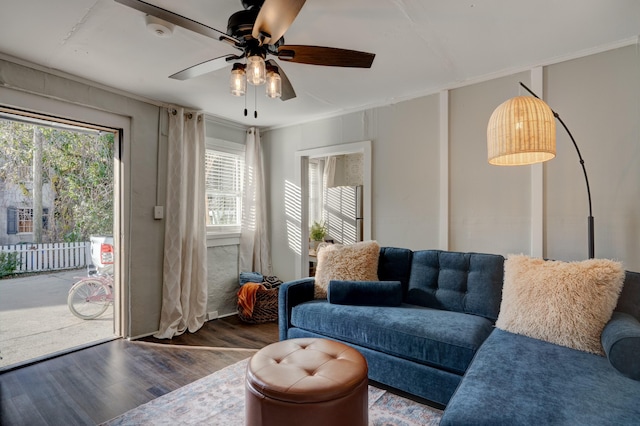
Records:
x=245, y=105
x=255, y=102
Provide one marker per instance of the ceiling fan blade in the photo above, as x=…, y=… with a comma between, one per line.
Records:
x=179, y=20
x=204, y=67
x=274, y=19
x=287, y=88
x=328, y=56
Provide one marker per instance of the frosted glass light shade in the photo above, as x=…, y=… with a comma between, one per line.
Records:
x=274, y=85
x=521, y=131
x=256, y=71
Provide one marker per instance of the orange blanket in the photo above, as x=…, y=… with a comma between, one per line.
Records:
x=247, y=297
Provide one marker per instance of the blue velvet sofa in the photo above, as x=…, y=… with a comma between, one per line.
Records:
x=517, y=380
x=437, y=340
x=423, y=344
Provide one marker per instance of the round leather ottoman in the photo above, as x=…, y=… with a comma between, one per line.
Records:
x=307, y=382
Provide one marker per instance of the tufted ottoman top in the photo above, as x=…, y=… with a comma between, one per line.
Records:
x=306, y=370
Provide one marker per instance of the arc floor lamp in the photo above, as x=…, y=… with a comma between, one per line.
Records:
x=522, y=131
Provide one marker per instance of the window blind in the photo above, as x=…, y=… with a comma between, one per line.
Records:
x=223, y=182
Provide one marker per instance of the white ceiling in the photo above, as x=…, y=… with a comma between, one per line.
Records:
x=421, y=47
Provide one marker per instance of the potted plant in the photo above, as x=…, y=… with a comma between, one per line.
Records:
x=317, y=234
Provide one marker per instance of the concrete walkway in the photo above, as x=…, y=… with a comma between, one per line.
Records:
x=35, y=320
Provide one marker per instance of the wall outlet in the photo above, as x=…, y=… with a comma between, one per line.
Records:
x=212, y=315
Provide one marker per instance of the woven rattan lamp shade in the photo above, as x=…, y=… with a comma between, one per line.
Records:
x=521, y=131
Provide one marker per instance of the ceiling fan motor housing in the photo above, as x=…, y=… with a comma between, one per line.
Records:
x=250, y=4
x=240, y=24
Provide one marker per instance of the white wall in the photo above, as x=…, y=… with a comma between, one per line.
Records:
x=489, y=208
x=222, y=278
x=598, y=97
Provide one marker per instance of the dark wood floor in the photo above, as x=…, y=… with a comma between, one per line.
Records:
x=94, y=385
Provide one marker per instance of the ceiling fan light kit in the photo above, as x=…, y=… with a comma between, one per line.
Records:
x=256, y=31
x=256, y=70
x=274, y=83
x=238, y=81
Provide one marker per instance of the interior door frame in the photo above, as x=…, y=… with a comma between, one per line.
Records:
x=302, y=182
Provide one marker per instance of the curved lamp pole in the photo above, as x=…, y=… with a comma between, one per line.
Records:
x=586, y=178
x=522, y=131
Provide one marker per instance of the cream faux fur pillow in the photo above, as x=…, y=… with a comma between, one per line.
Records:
x=563, y=303
x=356, y=262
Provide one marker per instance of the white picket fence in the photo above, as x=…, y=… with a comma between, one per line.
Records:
x=49, y=257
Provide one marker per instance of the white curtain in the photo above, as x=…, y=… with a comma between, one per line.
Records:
x=255, y=255
x=329, y=173
x=184, y=293
x=316, y=190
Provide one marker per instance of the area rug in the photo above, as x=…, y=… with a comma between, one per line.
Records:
x=218, y=399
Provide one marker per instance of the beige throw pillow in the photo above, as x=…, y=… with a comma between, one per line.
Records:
x=563, y=303
x=356, y=262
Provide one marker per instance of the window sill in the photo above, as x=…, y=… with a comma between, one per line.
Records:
x=217, y=239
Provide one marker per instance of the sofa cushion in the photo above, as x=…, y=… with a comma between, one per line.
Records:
x=365, y=293
x=423, y=381
x=443, y=339
x=567, y=303
x=629, y=300
x=460, y=282
x=357, y=262
x=621, y=342
x=518, y=380
x=394, y=264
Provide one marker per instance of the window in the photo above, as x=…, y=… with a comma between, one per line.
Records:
x=21, y=220
x=224, y=168
x=25, y=220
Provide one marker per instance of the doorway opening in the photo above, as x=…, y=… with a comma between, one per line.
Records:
x=336, y=198
x=57, y=216
x=335, y=191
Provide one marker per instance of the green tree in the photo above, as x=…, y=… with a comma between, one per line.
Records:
x=79, y=167
x=16, y=154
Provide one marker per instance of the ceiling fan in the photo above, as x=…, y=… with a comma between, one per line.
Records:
x=257, y=31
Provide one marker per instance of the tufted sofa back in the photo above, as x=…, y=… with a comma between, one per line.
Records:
x=462, y=282
x=466, y=282
x=629, y=300
x=394, y=264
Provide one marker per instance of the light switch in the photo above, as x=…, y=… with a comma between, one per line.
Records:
x=158, y=212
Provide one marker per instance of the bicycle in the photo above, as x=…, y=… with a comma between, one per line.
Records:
x=91, y=296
